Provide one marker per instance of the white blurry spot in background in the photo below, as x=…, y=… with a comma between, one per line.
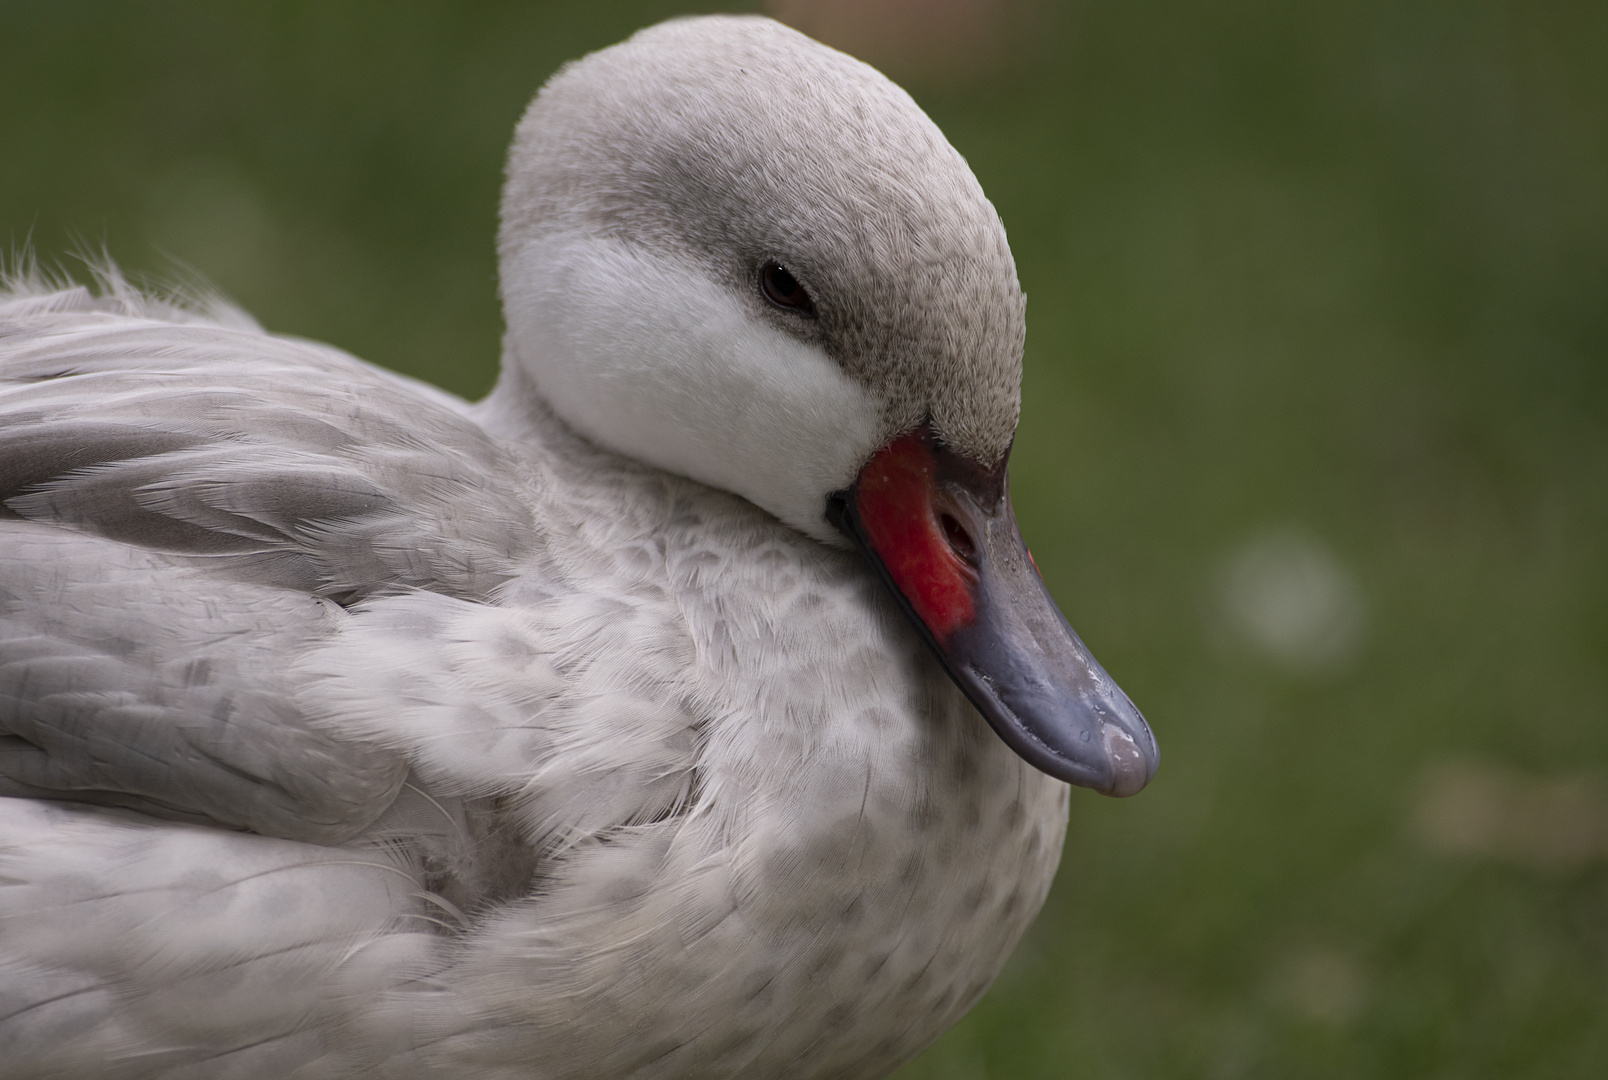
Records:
x=1321, y=984
x=1287, y=595
x=207, y=215
x=1551, y=824
x=932, y=40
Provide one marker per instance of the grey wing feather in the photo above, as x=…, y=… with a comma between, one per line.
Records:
x=130, y=680
x=291, y=463
x=182, y=508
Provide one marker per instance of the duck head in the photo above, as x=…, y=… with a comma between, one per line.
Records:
x=738, y=255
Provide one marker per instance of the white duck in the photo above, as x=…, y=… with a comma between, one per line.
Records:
x=351, y=730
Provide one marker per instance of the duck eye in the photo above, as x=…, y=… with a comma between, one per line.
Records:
x=782, y=289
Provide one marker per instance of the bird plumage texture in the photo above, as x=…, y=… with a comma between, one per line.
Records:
x=348, y=729
x=803, y=152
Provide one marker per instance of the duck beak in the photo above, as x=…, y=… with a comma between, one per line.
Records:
x=940, y=530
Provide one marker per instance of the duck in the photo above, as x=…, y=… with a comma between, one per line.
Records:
x=690, y=706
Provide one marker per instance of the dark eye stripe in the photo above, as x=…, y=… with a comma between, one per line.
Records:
x=782, y=289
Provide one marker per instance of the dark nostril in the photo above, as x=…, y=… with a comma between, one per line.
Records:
x=958, y=538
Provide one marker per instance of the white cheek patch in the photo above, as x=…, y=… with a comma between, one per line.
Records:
x=648, y=357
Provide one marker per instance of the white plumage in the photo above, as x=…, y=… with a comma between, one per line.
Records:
x=350, y=730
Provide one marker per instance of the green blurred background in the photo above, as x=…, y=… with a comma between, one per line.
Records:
x=1314, y=448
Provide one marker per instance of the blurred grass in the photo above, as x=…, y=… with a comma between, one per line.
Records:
x=1329, y=272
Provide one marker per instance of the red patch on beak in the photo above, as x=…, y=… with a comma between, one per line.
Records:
x=895, y=496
